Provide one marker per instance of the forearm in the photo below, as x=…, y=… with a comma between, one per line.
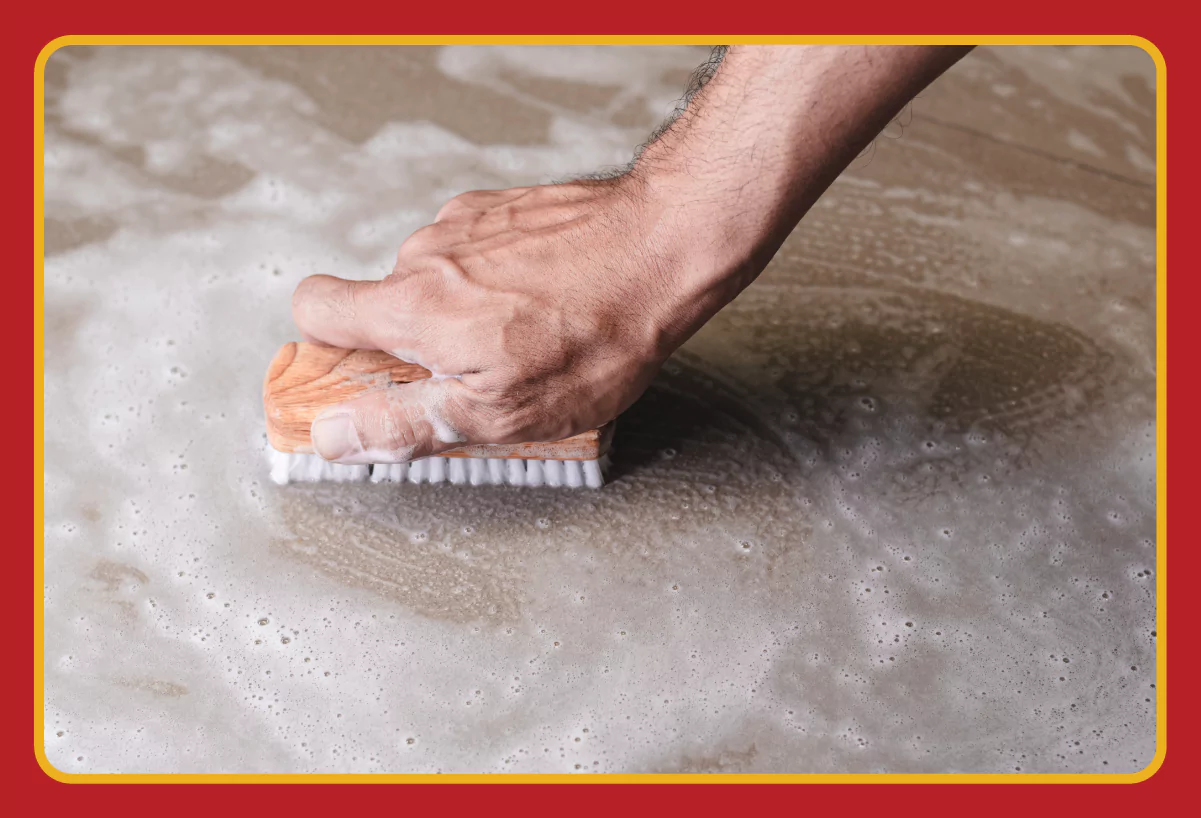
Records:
x=763, y=140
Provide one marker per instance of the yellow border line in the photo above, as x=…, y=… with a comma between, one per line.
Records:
x=601, y=39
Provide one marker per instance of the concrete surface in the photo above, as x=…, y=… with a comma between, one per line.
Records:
x=892, y=510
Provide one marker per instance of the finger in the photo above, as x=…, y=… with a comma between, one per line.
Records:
x=476, y=200
x=393, y=425
x=393, y=315
x=342, y=313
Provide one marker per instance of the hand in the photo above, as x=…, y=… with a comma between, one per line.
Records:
x=542, y=312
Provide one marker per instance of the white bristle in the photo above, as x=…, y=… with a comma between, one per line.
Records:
x=437, y=469
x=534, y=473
x=593, y=477
x=388, y=472
x=310, y=468
x=352, y=474
x=317, y=470
x=496, y=471
x=478, y=471
x=417, y=470
x=573, y=473
x=515, y=472
x=279, y=467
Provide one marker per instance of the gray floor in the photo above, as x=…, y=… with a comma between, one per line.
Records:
x=892, y=510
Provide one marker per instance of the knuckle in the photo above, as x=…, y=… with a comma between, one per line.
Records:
x=397, y=431
x=398, y=424
x=460, y=205
x=396, y=282
x=421, y=241
x=414, y=288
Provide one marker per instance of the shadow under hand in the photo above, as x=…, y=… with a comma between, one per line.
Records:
x=916, y=366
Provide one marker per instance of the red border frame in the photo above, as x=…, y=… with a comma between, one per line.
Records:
x=222, y=16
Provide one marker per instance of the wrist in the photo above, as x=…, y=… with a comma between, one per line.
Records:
x=731, y=212
x=699, y=246
x=717, y=213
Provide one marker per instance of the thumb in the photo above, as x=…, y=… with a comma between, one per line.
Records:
x=393, y=425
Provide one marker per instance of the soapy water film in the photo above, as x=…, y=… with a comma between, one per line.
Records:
x=892, y=510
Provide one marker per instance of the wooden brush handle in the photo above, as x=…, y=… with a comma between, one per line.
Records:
x=304, y=379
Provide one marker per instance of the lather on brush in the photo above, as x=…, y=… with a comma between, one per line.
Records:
x=305, y=379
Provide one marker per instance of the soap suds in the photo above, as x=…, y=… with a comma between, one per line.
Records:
x=443, y=431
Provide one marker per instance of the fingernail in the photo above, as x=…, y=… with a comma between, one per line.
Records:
x=335, y=438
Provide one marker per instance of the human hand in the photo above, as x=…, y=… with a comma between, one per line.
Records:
x=542, y=312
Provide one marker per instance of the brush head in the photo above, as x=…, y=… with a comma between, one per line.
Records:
x=475, y=471
x=304, y=379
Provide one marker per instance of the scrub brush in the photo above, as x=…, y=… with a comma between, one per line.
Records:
x=305, y=379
